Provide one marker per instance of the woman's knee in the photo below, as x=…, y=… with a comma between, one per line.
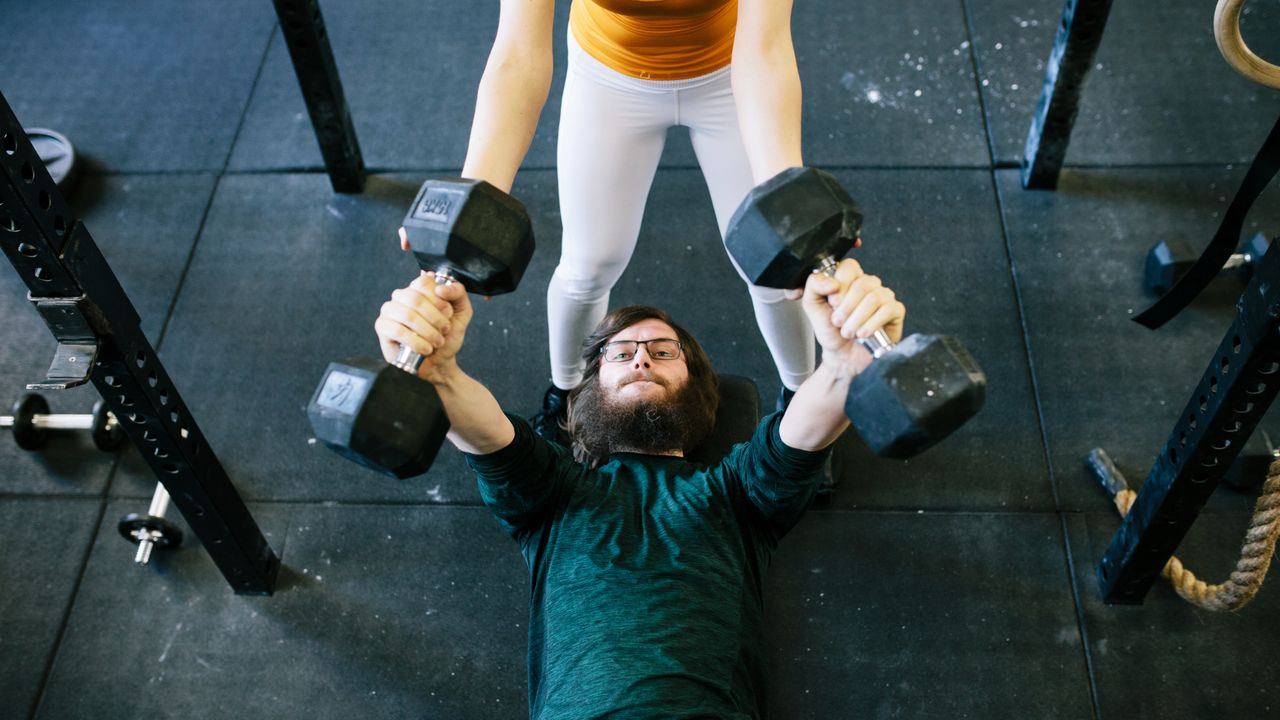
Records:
x=584, y=284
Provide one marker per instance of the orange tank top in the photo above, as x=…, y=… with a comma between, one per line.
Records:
x=656, y=39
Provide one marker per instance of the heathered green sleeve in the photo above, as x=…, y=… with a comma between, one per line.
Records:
x=778, y=481
x=520, y=482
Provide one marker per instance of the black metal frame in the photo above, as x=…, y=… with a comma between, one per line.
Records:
x=1239, y=385
x=304, y=33
x=101, y=340
x=1066, y=71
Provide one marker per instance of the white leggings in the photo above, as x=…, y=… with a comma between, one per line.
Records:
x=612, y=131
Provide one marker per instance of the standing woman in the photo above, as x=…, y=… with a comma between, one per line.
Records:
x=726, y=69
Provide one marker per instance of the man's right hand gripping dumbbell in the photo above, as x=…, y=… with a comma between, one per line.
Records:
x=467, y=236
x=918, y=391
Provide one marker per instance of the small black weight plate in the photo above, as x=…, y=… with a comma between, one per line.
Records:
x=25, y=433
x=106, y=436
x=168, y=535
x=57, y=153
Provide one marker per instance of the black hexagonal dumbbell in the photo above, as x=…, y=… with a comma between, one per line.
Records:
x=914, y=393
x=383, y=416
x=1168, y=260
x=31, y=423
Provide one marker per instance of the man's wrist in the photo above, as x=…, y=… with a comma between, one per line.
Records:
x=446, y=374
x=841, y=367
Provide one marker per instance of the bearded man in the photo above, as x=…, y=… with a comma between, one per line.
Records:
x=647, y=571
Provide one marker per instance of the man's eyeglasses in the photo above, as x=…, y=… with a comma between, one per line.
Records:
x=658, y=349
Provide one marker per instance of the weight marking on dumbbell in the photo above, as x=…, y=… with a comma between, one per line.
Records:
x=342, y=392
x=437, y=205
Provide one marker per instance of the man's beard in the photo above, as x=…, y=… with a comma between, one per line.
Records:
x=656, y=427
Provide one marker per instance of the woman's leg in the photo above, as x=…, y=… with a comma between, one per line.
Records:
x=610, y=140
x=712, y=117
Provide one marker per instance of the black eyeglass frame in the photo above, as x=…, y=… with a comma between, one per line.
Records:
x=604, y=349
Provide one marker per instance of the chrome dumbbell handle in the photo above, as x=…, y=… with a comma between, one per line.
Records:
x=60, y=422
x=879, y=343
x=409, y=359
x=147, y=538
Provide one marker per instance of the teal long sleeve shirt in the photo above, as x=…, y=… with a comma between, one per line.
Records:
x=647, y=572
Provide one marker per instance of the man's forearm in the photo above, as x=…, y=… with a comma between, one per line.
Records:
x=815, y=417
x=477, y=423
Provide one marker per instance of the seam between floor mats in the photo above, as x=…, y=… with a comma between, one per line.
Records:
x=34, y=709
x=1081, y=628
x=105, y=498
x=213, y=192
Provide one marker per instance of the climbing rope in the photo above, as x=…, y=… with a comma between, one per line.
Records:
x=1255, y=555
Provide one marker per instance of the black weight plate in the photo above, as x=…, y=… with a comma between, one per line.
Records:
x=25, y=433
x=170, y=535
x=57, y=153
x=106, y=437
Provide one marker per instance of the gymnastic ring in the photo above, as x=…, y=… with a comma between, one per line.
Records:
x=1226, y=31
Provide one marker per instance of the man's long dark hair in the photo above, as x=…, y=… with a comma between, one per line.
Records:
x=701, y=396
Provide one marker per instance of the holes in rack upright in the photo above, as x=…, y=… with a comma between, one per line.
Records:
x=9, y=143
x=28, y=173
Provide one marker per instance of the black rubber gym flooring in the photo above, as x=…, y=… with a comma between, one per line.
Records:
x=959, y=584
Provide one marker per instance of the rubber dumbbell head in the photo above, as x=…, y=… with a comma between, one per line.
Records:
x=1167, y=261
x=914, y=395
x=379, y=416
x=471, y=231
x=1252, y=250
x=788, y=224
